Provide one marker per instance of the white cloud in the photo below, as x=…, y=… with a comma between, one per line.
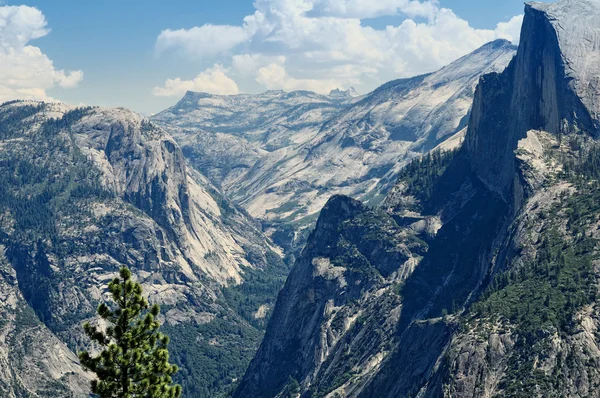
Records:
x=313, y=44
x=25, y=71
x=275, y=77
x=213, y=80
x=68, y=79
x=510, y=30
x=19, y=25
x=203, y=40
x=246, y=65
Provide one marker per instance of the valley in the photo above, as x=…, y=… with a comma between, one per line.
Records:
x=435, y=237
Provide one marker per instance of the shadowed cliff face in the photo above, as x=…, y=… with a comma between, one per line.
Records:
x=344, y=261
x=367, y=290
x=501, y=298
x=551, y=85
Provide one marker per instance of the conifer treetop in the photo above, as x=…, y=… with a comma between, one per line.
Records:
x=134, y=361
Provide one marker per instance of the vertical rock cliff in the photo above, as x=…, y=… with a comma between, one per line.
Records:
x=552, y=84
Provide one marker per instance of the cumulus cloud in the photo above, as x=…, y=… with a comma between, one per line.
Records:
x=213, y=80
x=25, y=71
x=275, y=77
x=510, y=30
x=246, y=65
x=314, y=44
x=201, y=41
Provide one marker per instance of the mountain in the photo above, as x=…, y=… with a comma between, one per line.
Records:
x=33, y=361
x=85, y=191
x=282, y=155
x=477, y=276
x=344, y=94
x=223, y=135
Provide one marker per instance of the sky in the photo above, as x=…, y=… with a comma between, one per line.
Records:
x=145, y=55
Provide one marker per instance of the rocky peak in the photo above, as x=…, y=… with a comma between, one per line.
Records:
x=576, y=26
x=139, y=161
x=338, y=209
x=551, y=85
x=496, y=45
x=343, y=94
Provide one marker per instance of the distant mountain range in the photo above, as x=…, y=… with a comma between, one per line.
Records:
x=282, y=155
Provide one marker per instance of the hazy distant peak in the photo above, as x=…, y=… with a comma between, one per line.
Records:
x=339, y=93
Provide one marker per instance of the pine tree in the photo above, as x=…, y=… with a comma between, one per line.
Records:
x=134, y=361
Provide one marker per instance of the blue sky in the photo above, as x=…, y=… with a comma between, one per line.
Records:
x=125, y=60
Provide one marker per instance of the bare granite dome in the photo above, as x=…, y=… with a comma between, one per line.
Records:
x=577, y=27
x=551, y=85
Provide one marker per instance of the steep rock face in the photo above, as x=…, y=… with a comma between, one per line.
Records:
x=144, y=166
x=503, y=300
x=33, y=361
x=342, y=284
x=86, y=190
x=575, y=26
x=551, y=85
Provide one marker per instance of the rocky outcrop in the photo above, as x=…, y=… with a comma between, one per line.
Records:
x=144, y=166
x=339, y=282
x=33, y=361
x=343, y=94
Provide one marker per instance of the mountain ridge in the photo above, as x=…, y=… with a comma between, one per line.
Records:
x=283, y=175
